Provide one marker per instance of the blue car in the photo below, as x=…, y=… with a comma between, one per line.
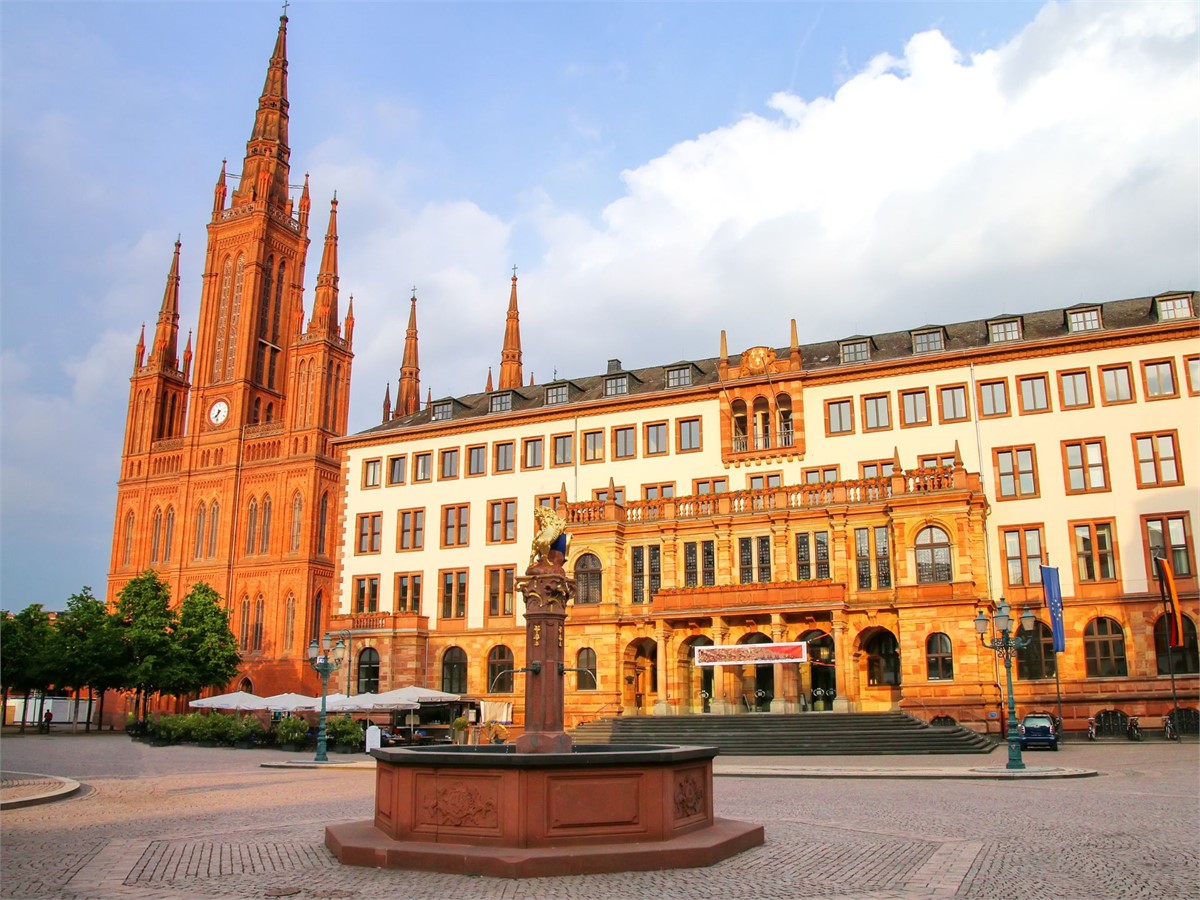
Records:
x=1037, y=730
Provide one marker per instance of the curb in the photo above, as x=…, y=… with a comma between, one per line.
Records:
x=990, y=773
x=56, y=789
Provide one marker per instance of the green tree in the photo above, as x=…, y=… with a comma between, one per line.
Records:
x=28, y=653
x=207, y=652
x=89, y=648
x=148, y=626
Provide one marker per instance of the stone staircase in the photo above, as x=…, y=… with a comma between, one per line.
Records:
x=808, y=734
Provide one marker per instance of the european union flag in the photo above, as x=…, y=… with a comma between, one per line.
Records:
x=1053, y=592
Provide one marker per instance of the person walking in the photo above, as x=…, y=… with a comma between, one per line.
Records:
x=47, y=719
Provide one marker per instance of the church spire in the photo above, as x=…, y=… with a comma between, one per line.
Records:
x=408, y=397
x=220, y=191
x=510, y=356
x=265, y=169
x=325, y=303
x=164, y=354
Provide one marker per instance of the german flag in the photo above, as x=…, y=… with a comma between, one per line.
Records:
x=1166, y=584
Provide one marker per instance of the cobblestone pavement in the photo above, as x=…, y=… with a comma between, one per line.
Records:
x=185, y=822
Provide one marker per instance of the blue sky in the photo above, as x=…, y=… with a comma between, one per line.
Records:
x=657, y=171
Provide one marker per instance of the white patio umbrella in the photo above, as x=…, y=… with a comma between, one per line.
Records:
x=342, y=703
x=416, y=694
x=290, y=702
x=393, y=700
x=236, y=700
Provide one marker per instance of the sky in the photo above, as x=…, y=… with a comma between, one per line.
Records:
x=658, y=173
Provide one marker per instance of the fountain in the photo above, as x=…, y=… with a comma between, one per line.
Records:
x=542, y=806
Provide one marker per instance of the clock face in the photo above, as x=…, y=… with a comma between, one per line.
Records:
x=218, y=412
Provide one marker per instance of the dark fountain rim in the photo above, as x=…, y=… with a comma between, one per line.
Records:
x=505, y=756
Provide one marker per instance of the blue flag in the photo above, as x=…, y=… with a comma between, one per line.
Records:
x=1053, y=591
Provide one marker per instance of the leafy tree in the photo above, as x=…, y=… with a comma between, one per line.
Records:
x=147, y=625
x=26, y=661
x=88, y=646
x=207, y=652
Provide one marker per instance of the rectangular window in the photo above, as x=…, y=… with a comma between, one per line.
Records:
x=927, y=341
x=454, y=593
x=754, y=559
x=477, y=460
x=1016, y=472
x=1083, y=320
x=410, y=529
x=500, y=590
x=877, y=412
x=952, y=402
x=441, y=412
x=1117, y=385
x=616, y=385
x=936, y=461
x=370, y=532
x=423, y=467
x=624, y=443
x=703, y=486
x=408, y=592
x=502, y=521
x=1169, y=537
x=769, y=481
x=593, y=446
x=449, y=464
x=503, y=461
x=645, y=573
x=1074, y=389
x=531, y=451
x=1157, y=463
x=873, y=564
x=1095, y=558
x=1086, y=466
x=371, y=469
x=1193, y=374
x=396, y=469
x=556, y=394
x=551, y=501
x=824, y=475
x=564, y=449
x=500, y=403
x=656, y=439
x=993, y=398
x=366, y=594
x=839, y=417
x=664, y=491
x=699, y=564
x=688, y=439
x=879, y=468
x=618, y=495
x=914, y=406
x=1022, y=555
x=455, y=520
x=1002, y=332
x=812, y=556
x=856, y=351
x=680, y=377
x=1158, y=379
x=1035, y=396
x=1174, y=308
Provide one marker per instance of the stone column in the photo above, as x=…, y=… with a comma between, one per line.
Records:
x=546, y=595
x=721, y=704
x=666, y=663
x=845, y=664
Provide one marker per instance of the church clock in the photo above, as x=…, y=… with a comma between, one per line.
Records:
x=218, y=412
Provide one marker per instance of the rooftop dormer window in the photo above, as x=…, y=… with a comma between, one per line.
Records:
x=856, y=351
x=500, y=403
x=556, y=393
x=1174, y=308
x=1083, y=320
x=1004, y=331
x=928, y=341
x=616, y=385
x=442, y=411
x=679, y=377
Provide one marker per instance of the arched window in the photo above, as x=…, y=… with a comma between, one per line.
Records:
x=214, y=525
x=259, y=609
x=264, y=544
x=454, y=671
x=1184, y=660
x=252, y=526
x=297, y=521
x=322, y=519
x=314, y=631
x=738, y=410
x=126, y=555
x=883, y=660
x=200, y=530
x=1104, y=649
x=289, y=621
x=585, y=677
x=588, y=579
x=933, y=555
x=787, y=437
x=222, y=317
x=368, y=671
x=1036, y=659
x=155, y=535
x=939, y=658
x=168, y=534
x=762, y=423
x=244, y=626
x=500, y=674
x=256, y=414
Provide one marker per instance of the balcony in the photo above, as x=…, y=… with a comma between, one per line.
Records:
x=756, y=595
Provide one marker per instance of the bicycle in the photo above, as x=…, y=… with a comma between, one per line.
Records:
x=1169, y=728
x=1133, y=730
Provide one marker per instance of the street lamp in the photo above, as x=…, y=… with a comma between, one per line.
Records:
x=324, y=662
x=1006, y=647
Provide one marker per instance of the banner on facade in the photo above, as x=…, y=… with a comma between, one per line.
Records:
x=751, y=654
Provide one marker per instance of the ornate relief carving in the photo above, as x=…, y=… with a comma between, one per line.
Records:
x=689, y=795
x=757, y=360
x=459, y=805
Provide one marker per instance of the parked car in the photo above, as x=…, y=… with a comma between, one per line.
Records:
x=1037, y=730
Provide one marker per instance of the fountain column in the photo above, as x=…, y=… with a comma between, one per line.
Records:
x=546, y=590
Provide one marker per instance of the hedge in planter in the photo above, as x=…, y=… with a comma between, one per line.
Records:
x=292, y=730
x=344, y=733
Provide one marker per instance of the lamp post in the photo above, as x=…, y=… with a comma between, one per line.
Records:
x=325, y=662
x=1006, y=647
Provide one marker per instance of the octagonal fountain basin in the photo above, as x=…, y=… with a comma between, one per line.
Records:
x=489, y=810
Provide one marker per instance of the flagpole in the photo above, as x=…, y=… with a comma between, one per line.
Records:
x=1169, y=609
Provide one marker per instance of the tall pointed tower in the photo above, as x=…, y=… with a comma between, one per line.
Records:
x=229, y=478
x=510, y=354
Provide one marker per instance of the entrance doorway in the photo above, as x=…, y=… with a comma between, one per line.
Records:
x=697, y=681
x=822, y=688
x=758, y=682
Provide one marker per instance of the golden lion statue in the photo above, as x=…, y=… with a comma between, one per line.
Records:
x=550, y=539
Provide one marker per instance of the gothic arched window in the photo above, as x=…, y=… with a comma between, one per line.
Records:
x=128, y=552
x=322, y=522
x=214, y=526
x=588, y=579
x=297, y=522
x=200, y=530
x=168, y=534
x=265, y=544
x=289, y=622
x=244, y=626
x=314, y=631
x=156, y=535
x=933, y=555
x=252, y=526
x=259, y=609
